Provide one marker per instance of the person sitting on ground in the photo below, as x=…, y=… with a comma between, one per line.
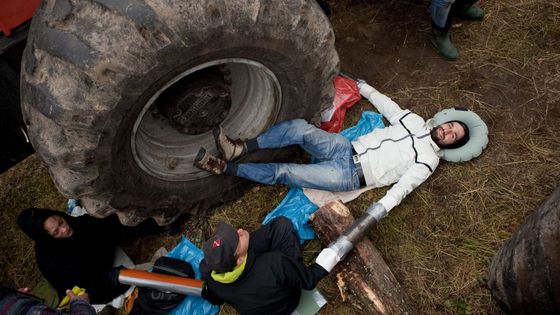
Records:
x=441, y=12
x=79, y=251
x=261, y=272
x=19, y=302
x=405, y=153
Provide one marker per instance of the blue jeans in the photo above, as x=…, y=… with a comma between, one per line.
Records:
x=440, y=12
x=441, y=9
x=334, y=171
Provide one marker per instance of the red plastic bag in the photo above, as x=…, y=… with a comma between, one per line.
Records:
x=346, y=95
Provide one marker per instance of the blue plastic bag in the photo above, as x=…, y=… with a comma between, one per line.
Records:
x=296, y=206
x=188, y=252
x=368, y=121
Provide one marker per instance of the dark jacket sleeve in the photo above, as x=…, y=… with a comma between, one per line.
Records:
x=205, y=270
x=59, y=271
x=207, y=294
x=113, y=231
x=64, y=270
x=297, y=275
x=210, y=297
x=107, y=230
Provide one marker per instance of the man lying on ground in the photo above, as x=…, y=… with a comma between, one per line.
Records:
x=405, y=153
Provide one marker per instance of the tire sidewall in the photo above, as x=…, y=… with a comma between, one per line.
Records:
x=128, y=174
x=83, y=131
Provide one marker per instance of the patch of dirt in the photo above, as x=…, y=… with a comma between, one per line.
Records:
x=441, y=239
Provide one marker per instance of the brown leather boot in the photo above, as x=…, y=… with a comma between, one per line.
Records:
x=207, y=162
x=230, y=149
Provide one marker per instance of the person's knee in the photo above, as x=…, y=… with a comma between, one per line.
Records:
x=283, y=228
x=283, y=174
x=309, y=132
x=341, y=142
x=282, y=223
x=301, y=125
x=286, y=175
x=299, y=121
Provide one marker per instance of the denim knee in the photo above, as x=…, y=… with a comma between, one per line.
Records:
x=302, y=125
x=341, y=141
x=282, y=175
x=299, y=121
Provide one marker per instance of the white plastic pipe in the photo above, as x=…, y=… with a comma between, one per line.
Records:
x=161, y=282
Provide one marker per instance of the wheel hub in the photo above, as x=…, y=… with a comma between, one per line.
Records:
x=197, y=105
x=242, y=96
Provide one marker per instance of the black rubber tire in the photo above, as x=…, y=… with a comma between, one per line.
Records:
x=91, y=66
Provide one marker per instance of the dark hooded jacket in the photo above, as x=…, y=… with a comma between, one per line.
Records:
x=273, y=277
x=85, y=259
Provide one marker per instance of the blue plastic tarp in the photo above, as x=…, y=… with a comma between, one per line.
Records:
x=192, y=305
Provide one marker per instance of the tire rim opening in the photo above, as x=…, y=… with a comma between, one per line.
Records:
x=243, y=96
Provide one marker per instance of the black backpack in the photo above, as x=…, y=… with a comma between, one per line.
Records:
x=153, y=301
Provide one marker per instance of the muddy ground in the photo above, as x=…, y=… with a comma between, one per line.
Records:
x=441, y=239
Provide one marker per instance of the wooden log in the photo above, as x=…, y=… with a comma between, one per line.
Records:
x=363, y=274
x=524, y=277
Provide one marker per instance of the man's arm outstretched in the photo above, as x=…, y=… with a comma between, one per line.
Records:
x=384, y=105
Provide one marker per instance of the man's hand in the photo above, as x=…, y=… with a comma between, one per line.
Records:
x=81, y=296
x=365, y=89
x=360, y=82
x=327, y=259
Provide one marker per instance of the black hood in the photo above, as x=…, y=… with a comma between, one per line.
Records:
x=31, y=220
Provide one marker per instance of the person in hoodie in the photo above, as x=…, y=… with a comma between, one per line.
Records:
x=79, y=251
x=260, y=272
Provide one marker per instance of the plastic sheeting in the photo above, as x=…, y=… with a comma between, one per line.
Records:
x=346, y=95
x=193, y=305
x=296, y=206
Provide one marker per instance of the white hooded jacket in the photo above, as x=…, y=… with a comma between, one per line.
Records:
x=402, y=153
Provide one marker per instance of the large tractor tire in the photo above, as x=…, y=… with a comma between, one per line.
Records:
x=118, y=96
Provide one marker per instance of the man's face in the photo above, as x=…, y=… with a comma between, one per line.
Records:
x=243, y=244
x=448, y=133
x=57, y=227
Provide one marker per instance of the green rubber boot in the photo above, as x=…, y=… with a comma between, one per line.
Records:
x=471, y=14
x=444, y=46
